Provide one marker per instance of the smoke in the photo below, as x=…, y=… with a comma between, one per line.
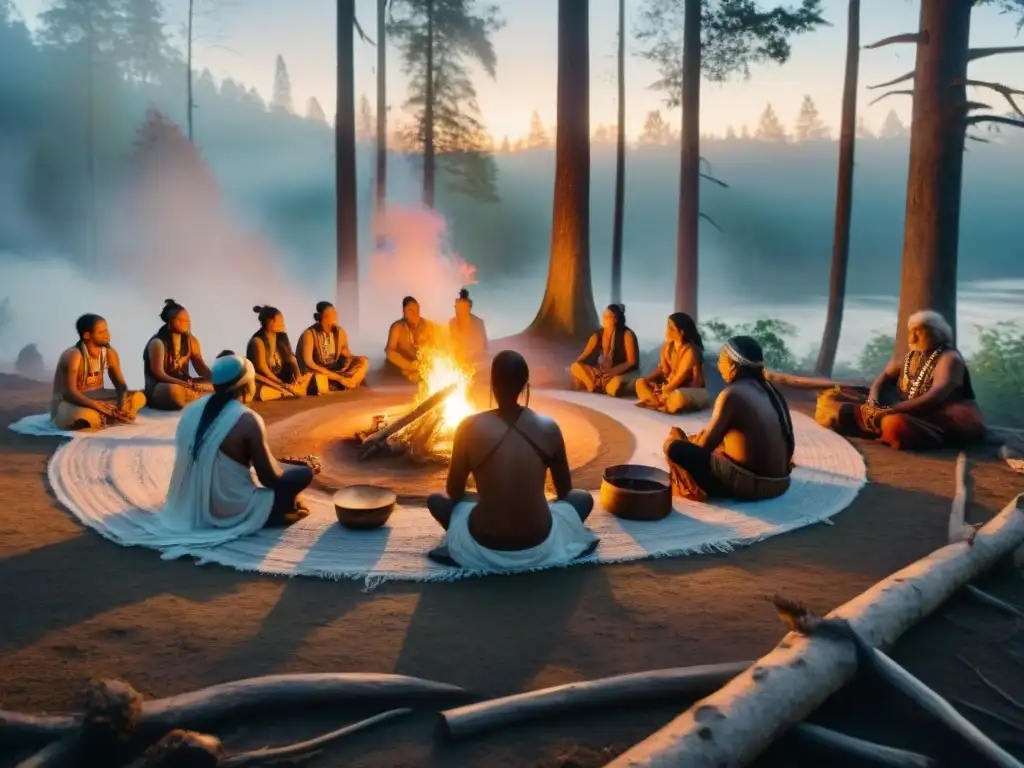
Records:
x=417, y=261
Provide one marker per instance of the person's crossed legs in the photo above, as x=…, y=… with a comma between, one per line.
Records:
x=287, y=509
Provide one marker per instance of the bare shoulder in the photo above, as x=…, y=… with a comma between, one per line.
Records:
x=70, y=354
x=112, y=357
x=251, y=423
x=539, y=421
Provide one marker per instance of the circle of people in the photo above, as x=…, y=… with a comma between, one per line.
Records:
x=746, y=452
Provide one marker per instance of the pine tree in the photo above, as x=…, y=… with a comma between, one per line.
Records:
x=232, y=91
x=44, y=185
x=450, y=33
x=768, y=127
x=506, y=148
x=730, y=133
x=864, y=130
x=809, y=126
x=282, y=98
x=745, y=132
x=366, y=129
x=656, y=133
x=893, y=127
x=253, y=97
x=604, y=136
x=537, y=138
x=145, y=53
x=315, y=112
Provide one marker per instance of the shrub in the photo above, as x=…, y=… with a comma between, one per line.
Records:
x=770, y=334
x=997, y=372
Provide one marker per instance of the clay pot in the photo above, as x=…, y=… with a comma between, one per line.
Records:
x=364, y=507
x=636, y=492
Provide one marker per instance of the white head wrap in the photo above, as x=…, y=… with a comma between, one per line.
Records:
x=734, y=354
x=232, y=372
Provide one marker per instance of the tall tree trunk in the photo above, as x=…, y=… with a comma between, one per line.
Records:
x=381, y=186
x=429, y=182
x=687, y=240
x=90, y=138
x=932, y=226
x=188, y=66
x=567, y=310
x=620, y=164
x=844, y=198
x=345, y=170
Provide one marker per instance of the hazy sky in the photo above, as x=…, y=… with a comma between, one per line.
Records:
x=240, y=39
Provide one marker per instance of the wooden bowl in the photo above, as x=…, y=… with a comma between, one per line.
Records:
x=364, y=507
x=636, y=492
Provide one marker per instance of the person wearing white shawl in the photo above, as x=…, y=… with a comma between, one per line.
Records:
x=213, y=497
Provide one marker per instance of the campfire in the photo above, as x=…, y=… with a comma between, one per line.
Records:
x=425, y=434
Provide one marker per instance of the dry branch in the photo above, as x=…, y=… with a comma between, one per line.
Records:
x=990, y=685
x=981, y=53
x=864, y=751
x=994, y=119
x=710, y=221
x=711, y=178
x=811, y=382
x=958, y=529
x=887, y=94
x=56, y=754
x=198, y=709
x=906, y=37
x=988, y=713
x=30, y=729
x=901, y=79
x=1003, y=90
x=994, y=602
x=659, y=684
x=735, y=724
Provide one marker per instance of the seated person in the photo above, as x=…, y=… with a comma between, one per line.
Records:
x=405, y=337
x=933, y=404
x=217, y=441
x=467, y=332
x=79, y=400
x=166, y=360
x=677, y=384
x=746, y=452
x=324, y=353
x=270, y=352
x=611, y=358
x=509, y=524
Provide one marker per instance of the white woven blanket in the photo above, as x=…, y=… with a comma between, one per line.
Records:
x=107, y=479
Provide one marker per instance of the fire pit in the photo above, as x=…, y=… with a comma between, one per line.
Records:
x=425, y=433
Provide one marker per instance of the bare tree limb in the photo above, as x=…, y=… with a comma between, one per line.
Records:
x=982, y=53
x=978, y=139
x=1003, y=90
x=901, y=79
x=1000, y=605
x=359, y=31
x=711, y=221
x=990, y=685
x=958, y=529
x=987, y=713
x=998, y=119
x=887, y=94
x=711, y=178
x=907, y=37
x=976, y=105
x=866, y=752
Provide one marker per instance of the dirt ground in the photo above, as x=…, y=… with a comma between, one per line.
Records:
x=76, y=607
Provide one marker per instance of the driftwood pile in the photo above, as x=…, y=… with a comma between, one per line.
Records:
x=740, y=708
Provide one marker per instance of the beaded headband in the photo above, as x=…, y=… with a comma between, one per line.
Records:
x=733, y=354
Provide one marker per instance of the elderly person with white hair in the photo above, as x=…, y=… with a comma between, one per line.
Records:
x=933, y=404
x=212, y=496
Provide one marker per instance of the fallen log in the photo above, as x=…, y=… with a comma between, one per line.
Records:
x=735, y=724
x=197, y=709
x=866, y=751
x=958, y=529
x=795, y=381
x=200, y=750
x=32, y=729
x=379, y=439
x=659, y=684
x=994, y=602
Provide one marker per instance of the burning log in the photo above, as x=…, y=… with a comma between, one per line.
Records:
x=378, y=441
x=735, y=724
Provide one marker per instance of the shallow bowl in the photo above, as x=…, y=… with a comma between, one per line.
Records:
x=364, y=507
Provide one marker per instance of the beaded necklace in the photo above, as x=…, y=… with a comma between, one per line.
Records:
x=924, y=373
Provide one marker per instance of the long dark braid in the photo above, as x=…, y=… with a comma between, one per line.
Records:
x=217, y=402
x=750, y=349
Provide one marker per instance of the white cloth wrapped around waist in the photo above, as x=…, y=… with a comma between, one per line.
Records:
x=568, y=538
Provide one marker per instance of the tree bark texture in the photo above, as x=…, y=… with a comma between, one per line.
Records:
x=932, y=227
x=688, y=235
x=620, y=163
x=345, y=171
x=567, y=310
x=381, y=176
x=429, y=171
x=844, y=198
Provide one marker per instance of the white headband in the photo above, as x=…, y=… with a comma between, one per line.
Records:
x=733, y=354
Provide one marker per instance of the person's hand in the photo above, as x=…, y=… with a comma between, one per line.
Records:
x=295, y=389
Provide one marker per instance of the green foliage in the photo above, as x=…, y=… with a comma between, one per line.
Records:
x=461, y=35
x=770, y=333
x=735, y=35
x=997, y=372
x=876, y=354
